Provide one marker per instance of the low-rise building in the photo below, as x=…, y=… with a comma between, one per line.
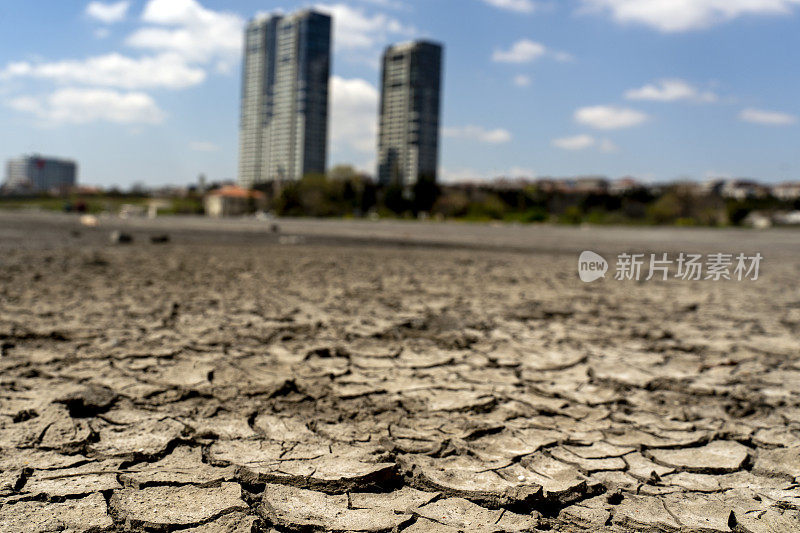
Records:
x=589, y=185
x=232, y=201
x=37, y=174
x=743, y=189
x=758, y=220
x=624, y=186
x=792, y=218
x=786, y=191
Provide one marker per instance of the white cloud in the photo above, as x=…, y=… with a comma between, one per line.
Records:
x=113, y=70
x=521, y=172
x=102, y=33
x=354, y=29
x=523, y=51
x=671, y=90
x=460, y=175
x=391, y=4
x=767, y=118
x=563, y=57
x=354, y=115
x=522, y=80
x=519, y=6
x=584, y=142
x=477, y=133
x=80, y=106
x=609, y=117
x=203, y=146
x=607, y=146
x=578, y=142
x=186, y=40
x=685, y=15
x=471, y=175
x=108, y=13
x=186, y=28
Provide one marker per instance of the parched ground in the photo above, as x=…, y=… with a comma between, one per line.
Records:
x=249, y=382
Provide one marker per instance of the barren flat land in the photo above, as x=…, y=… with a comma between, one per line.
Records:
x=379, y=376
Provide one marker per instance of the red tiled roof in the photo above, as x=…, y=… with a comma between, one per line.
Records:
x=232, y=191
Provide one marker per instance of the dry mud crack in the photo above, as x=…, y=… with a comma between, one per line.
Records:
x=236, y=387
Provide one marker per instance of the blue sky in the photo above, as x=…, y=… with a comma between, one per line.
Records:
x=148, y=90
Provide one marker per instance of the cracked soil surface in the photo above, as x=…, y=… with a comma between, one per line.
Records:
x=261, y=384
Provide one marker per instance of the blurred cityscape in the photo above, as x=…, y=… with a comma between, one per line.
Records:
x=283, y=142
x=345, y=192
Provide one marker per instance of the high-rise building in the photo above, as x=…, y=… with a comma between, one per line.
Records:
x=408, y=142
x=34, y=173
x=283, y=133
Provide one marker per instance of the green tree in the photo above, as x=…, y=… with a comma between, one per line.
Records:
x=394, y=199
x=425, y=193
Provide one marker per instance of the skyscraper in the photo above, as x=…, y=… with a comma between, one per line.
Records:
x=34, y=173
x=283, y=132
x=408, y=142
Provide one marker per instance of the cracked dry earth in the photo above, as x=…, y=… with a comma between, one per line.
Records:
x=236, y=388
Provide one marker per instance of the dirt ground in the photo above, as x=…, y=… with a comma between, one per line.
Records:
x=248, y=381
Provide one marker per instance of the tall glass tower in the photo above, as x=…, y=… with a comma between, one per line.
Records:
x=408, y=142
x=283, y=131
